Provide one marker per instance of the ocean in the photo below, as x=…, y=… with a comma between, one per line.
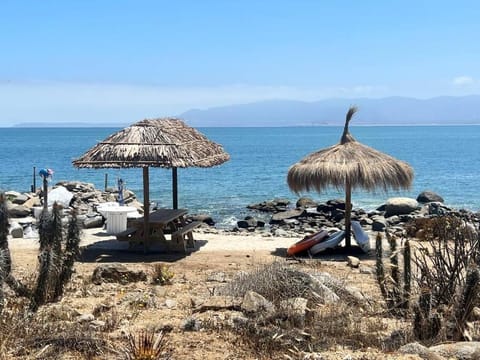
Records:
x=446, y=159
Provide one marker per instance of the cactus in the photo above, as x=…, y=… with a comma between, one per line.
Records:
x=4, y=253
x=396, y=298
x=56, y=259
x=407, y=274
x=70, y=254
x=464, y=306
x=426, y=322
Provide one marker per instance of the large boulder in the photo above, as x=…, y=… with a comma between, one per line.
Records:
x=429, y=196
x=93, y=222
x=116, y=273
x=16, y=230
x=61, y=196
x=400, y=206
x=274, y=205
x=205, y=218
x=18, y=211
x=254, y=303
x=464, y=350
x=305, y=202
x=289, y=214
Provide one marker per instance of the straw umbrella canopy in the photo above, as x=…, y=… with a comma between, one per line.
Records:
x=163, y=142
x=349, y=165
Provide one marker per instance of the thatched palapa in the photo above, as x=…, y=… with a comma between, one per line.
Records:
x=165, y=142
x=349, y=165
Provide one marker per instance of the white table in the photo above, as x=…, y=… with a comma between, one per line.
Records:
x=116, y=217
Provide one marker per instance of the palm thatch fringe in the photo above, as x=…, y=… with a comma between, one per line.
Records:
x=165, y=142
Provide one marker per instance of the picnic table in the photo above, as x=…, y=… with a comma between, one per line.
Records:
x=161, y=222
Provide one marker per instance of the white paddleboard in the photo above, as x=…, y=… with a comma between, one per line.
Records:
x=330, y=242
x=361, y=237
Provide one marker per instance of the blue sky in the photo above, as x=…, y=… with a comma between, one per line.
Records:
x=120, y=61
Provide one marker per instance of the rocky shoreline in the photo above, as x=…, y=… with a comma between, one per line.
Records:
x=277, y=217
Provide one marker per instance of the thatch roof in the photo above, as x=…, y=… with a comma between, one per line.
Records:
x=349, y=160
x=165, y=142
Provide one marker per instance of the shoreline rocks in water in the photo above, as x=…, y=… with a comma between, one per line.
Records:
x=274, y=217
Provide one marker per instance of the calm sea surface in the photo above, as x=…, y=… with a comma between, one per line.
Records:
x=445, y=159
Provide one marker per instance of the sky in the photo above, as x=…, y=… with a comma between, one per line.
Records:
x=118, y=61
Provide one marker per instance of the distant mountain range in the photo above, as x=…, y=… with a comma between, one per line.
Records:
x=444, y=110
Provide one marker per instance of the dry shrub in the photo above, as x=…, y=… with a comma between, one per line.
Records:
x=26, y=335
x=325, y=326
x=442, y=260
x=330, y=326
x=275, y=282
x=162, y=275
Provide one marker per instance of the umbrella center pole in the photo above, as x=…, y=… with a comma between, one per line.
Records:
x=146, y=208
x=174, y=188
x=348, y=213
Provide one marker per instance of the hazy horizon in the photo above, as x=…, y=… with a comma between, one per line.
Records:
x=121, y=62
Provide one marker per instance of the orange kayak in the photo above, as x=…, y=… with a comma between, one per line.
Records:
x=306, y=243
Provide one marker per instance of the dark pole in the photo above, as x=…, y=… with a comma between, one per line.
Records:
x=348, y=214
x=45, y=193
x=34, y=179
x=174, y=188
x=106, y=181
x=146, y=207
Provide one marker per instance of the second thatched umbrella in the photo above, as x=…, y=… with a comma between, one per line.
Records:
x=165, y=142
x=349, y=165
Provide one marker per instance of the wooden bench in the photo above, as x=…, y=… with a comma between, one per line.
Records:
x=178, y=237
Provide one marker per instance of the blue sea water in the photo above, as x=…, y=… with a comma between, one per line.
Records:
x=446, y=160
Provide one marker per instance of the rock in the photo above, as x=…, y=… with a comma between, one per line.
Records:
x=305, y=202
x=353, y=262
x=97, y=324
x=460, y=350
x=254, y=303
x=61, y=196
x=348, y=293
x=116, y=273
x=280, y=233
x=323, y=293
x=274, y=205
x=19, y=199
x=289, y=214
x=170, y=303
x=218, y=303
x=337, y=204
x=33, y=201
x=18, y=211
x=218, y=276
x=379, y=223
x=248, y=222
x=420, y=350
x=86, y=318
x=16, y=230
x=437, y=208
x=93, y=222
x=191, y=324
x=429, y=196
x=400, y=206
x=205, y=218
x=295, y=309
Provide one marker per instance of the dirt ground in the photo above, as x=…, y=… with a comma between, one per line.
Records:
x=191, y=284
